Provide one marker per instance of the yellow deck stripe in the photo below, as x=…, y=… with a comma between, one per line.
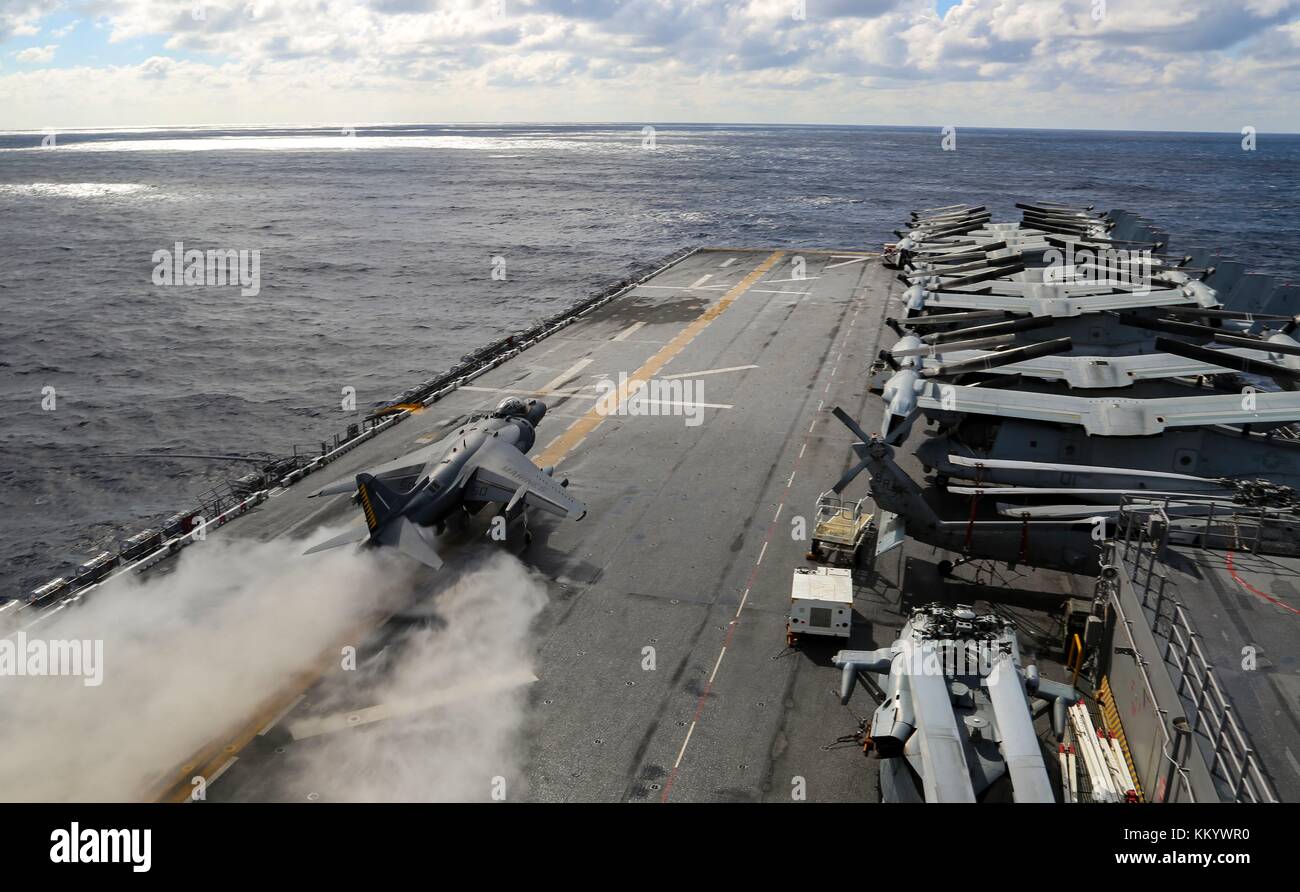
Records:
x=582, y=428
x=207, y=761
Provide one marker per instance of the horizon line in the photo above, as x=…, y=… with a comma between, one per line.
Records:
x=127, y=128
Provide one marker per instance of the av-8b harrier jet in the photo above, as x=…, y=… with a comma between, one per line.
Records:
x=482, y=461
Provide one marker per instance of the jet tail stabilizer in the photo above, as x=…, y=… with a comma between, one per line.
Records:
x=378, y=502
x=347, y=537
x=405, y=536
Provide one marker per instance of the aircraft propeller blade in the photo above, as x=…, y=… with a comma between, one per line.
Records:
x=978, y=251
x=1056, y=512
x=1189, y=329
x=980, y=262
x=1053, y=208
x=949, y=210
x=997, y=272
x=1053, y=224
x=1014, y=465
x=1061, y=512
x=953, y=347
x=1216, y=313
x=1225, y=360
x=1253, y=343
x=1024, y=323
x=1070, y=490
x=999, y=358
x=950, y=318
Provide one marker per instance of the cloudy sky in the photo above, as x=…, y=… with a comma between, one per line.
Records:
x=1124, y=64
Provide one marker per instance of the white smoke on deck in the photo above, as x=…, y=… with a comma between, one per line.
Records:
x=456, y=694
x=195, y=653
x=188, y=655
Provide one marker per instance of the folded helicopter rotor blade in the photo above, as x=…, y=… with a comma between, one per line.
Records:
x=1086, y=512
x=944, y=208
x=1225, y=360
x=951, y=318
x=1216, y=313
x=963, y=216
x=981, y=263
x=953, y=347
x=849, y=476
x=1074, y=490
x=1024, y=323
x=997, y=272
x=950, y=210
x=1053, y=207
x=1002, y=464
x=941, y=224
x=852, y=425
x=928, y=252
x=999, y=358
x=1085, y=242
x=1251, y=343
x=1150, y=323
x=1056, y=512
x=979, y=251
x=1057, y=224
x=945, y=230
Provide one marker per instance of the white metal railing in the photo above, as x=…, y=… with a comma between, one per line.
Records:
x=1210, y=714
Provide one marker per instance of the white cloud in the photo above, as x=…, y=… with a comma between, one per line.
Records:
x=846, y=61
x=40, y=55
x=20, y=18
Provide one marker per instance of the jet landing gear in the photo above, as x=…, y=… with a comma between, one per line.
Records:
x=521, y=512
x=517, y=520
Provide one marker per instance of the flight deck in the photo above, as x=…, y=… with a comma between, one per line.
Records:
x=687, y=542
x=688, y=591
x=688, y=548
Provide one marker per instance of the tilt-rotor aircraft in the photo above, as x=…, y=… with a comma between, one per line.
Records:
x=481, y=462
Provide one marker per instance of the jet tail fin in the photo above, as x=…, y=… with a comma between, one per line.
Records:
x=382, y=507
x=378, y=502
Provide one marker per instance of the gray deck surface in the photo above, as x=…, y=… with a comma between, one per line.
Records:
x=683, y=527
x=1230, y=610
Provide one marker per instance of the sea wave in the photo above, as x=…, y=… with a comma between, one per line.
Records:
x=73, y=190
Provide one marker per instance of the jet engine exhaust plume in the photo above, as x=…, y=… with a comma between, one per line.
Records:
x=455, y=696
x=187, y=656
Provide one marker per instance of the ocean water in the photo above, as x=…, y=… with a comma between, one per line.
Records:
x=377, y=251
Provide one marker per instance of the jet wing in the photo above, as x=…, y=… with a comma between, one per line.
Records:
x=1115, y=416
x=504, y=474
x=393, y=473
